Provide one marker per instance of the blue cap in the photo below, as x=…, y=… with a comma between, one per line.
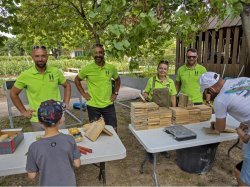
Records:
x=50, y=112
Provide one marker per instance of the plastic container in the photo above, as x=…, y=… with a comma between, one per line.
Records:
x=77, y=106
x=197, y=159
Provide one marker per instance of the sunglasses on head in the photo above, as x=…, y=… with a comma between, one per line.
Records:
x=39, y=47
x=164, y=62
x=189, y=57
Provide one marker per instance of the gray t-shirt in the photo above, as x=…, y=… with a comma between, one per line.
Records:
x=234, y=99
x=53, y=158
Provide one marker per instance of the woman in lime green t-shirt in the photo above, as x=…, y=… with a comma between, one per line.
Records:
x=161, y=80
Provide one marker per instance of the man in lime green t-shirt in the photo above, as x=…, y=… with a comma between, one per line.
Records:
x=41, y=83
x=187, y=78
x=100, y=97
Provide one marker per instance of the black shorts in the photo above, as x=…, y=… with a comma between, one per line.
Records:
x=108, y=113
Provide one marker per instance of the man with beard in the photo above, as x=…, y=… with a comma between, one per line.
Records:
x=100, y=98
x=187, y=78
x=232, y=97
x=41, y=83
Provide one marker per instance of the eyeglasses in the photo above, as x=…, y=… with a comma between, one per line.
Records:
x=189, y=57
x=39, y=47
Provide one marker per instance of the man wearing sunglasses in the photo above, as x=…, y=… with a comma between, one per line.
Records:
x=41, y=82
x=232, y=97
x=187, y=78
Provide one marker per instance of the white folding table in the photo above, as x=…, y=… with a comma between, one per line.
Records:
x=105, y=148
x=156, y=140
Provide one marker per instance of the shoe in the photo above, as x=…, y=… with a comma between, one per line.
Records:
x=165, y=154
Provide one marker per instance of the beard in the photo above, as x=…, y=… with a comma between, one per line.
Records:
x=41, y=64
x=98, y=59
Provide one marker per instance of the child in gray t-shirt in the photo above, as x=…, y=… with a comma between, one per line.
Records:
x=54, y=155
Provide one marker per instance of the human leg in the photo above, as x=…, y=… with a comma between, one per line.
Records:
x=93, y=113
x=109, y=115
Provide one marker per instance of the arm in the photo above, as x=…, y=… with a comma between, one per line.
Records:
x=14, y=95
x=220, y=124
x=77, y=163
x=117, y=87
x=208, y=97
x=173, y=100
x=242, y=132
x=80, y=88
x=32, y=175
x=67, y=92
x=178, y=86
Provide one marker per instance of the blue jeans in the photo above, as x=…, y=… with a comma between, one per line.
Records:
x=245, y=170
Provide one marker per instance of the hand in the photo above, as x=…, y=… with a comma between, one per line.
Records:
x=208, y=103
x=86, y=96
x=113, y=97
x=243, y=127
x=28, y=113
x=145, y=95
x=212, y=125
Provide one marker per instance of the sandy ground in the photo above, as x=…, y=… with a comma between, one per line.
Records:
x=125, y=172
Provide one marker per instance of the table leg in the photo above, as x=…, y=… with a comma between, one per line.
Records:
x=154, y=171
x=102, y=174
x=234, y=145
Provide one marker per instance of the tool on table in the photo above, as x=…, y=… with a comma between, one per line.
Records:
x=180, y=133
x=84, y=150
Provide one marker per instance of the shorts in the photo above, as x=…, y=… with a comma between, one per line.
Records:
x=245, y=171
x=108, y=113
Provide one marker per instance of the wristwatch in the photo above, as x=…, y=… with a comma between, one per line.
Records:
x=116, y=93
x=207, y=102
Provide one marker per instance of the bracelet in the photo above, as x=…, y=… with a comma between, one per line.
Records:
x=207, y=102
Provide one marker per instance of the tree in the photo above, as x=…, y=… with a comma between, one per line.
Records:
x=7, y=17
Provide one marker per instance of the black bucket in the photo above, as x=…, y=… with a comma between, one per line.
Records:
x=197, y=159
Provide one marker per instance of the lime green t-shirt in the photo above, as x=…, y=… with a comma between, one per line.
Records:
x=158, y=84
x=189, y=79
x=40, y=87
x=99, y=83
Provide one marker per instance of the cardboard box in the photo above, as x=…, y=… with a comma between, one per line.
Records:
x=9, y=145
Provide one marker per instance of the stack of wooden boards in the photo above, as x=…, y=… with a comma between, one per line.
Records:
x=150, y=115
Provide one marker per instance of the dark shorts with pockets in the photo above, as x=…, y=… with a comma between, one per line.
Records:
x=108, y=113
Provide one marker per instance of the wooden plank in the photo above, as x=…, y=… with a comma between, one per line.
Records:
x=206, y=48
x=199, y=50
x=242, y=53
x=213, y=47
x=235, y=50
x=177, y=62
x=220, y=50
x=182, y=57
x=228, y=37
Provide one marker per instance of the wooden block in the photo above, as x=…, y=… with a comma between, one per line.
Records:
x=95, y=129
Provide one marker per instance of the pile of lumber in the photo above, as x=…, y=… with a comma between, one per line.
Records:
x=179, y=115
x=139, y=115
x=206, y=112
x=153, y=115
x=184, y=101
x=194, y=114
x=165, y=115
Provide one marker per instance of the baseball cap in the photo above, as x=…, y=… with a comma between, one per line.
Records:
x=208, y=79
x=50, y=112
